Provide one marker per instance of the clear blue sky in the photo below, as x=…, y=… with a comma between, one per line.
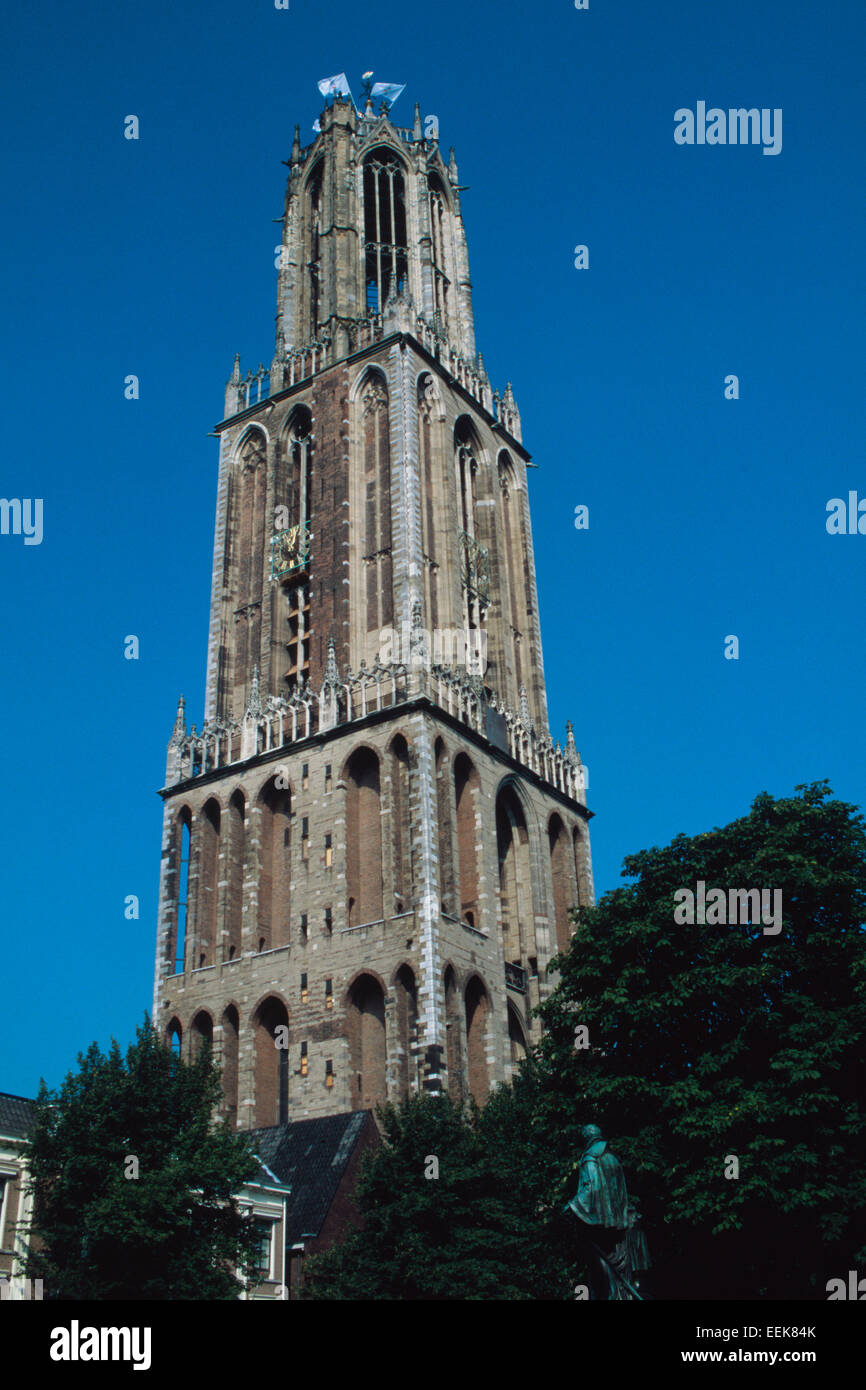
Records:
x=707, y=516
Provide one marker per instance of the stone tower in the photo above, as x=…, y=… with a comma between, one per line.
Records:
x=371, y=845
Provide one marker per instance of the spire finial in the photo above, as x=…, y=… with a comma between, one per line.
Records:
x=332, y=674
x=255, y=701
x=179, y=731
x=452, y=166
x=296, y=145
x=525, y=716
x=417, y=128
x=236, y=371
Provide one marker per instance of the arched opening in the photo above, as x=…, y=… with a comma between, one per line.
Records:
x=174, y=1036
x=236, y=848
x=373, y=498
x=512, y=593
x=365, y=1026
x=401, y=828
x=385, y=258
x=561, y=867
x=275, y=805
x=453, y=1044
x=183, y=839
x=580, y=866
x=477, y=1017
x=515, y=893
x=200, y=1033
x=230, y=1051
x=444, y=818
x=364, y=889
x=516, y=1037
x=431, y=448
x=207, y=890
x=250, y=489
x=291, y=546
x=407, y=1030
x=474, y=554
x=314, y=228
x=466, y=785
x=271, y=1023
x=439, y=239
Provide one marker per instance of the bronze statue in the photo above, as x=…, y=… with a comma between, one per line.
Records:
x=614, y=1242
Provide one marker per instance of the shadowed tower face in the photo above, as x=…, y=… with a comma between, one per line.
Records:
x=372, y=843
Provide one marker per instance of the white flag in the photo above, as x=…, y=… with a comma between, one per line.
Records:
x=334, y=86
x=388, y=91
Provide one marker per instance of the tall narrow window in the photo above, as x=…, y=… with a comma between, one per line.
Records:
x=438, y=234
x=474, y=557
x=384, y=228
x=182, y=896
x=314, y=216
x=363, y=838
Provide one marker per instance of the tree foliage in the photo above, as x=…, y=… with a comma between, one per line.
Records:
x=175, y=1230
x=709, y=1042
x=706, y=1043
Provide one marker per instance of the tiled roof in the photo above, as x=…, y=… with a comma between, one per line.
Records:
x=311, y=1156
x=16, y=1116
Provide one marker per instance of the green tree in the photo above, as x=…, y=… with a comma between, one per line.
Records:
x=440, y=1218
x=133, y=1181
x=713, y=1042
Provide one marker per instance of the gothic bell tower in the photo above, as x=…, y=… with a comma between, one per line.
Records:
x=371, y=845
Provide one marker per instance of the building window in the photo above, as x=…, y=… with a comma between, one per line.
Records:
x=329, y=1074
x=329, y=853
x=327, y=777
x=305, y=775
x=303, y=989
x=305, y=1062
x=182, y=897
x=264, y=1247
x=329, y=994
x=305, y=838
x=384, y=229
x=303, y=926
x=5, y=1183
x=329, y=921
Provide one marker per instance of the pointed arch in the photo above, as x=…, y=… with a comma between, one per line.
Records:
x=230, y=1054
x=385, y=237
x=180, y=851
x=271, y=1062
x=562, y=874
x=477, y=1030
x=200, y=1033
x=249, y=492
x=515, y=879
x=453, y=1038
x=406, y=993
x=401, y=824
x=466, y=792
x=364, y=887
x=275, y=864
x=447, y=890
x=516, y=1036
x=208, y=826
x=431, y=459
x=365, y=1030
x=236, y=852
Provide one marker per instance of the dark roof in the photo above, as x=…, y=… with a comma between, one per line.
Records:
x=16, y=1115
x=311, y=1156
